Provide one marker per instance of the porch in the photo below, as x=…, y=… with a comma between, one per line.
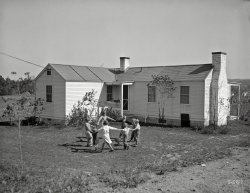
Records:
x=117, y=96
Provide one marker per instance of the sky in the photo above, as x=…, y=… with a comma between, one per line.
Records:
x=99, y=32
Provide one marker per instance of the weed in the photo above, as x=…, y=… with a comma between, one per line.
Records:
x=208, y=130
x=224, y=130
x=126, y=178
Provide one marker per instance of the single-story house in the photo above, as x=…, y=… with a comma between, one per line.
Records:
x=200, y=98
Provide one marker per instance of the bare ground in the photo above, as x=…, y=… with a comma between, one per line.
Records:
x=227, y=175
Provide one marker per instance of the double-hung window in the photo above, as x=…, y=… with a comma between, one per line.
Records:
x=184, y=95
x=48, y=93
x=109, y=93
x=151, y=94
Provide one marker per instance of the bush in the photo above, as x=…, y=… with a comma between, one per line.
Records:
x=86, y=107
x=223, y=130
x=208, y=129
x=114, y=114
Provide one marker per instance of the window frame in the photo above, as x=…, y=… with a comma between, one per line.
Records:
x=49, y=92
x=184, y=96
x=154, y=94
x=48, y=72
x=109, y=94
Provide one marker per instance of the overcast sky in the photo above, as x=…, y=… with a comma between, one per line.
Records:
x=98, y=32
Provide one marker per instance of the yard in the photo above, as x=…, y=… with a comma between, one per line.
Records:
x=59, y=160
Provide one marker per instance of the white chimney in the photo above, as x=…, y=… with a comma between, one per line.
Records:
x=219, y=62
x=219, y=90
x=124, y=63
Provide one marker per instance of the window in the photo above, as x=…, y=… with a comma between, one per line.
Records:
x=48, y=93
x=48, y=71
x=109, y=93
x=151, y=94
x=184, y=95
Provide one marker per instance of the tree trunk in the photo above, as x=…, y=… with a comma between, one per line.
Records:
x=20, y=143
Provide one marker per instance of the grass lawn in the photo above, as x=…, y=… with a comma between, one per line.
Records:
x=50, y=151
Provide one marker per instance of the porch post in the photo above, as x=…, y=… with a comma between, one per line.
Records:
x=122, y=99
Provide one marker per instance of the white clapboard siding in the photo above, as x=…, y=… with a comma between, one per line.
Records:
x=140, y=106
x=75, y=91
x=56, y=108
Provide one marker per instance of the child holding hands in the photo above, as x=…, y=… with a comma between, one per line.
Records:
x=105, y=134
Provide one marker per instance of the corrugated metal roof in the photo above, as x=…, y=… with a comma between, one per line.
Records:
x=84, y=73
x=176, y=73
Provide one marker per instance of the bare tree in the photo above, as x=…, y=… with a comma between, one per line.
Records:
x=20, y=109
x=166, y=88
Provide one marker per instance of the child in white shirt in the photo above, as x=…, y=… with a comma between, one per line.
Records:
x=105, y=134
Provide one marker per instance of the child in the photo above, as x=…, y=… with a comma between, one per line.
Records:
x=104, y=117
x=132, y=134
x=88, y=132
x=125, y=133
x=105, y=134
x=122, y=127
x=136, y=131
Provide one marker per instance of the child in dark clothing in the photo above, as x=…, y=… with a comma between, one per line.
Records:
x=136, y=131
x=125, y=133
x=122, y=127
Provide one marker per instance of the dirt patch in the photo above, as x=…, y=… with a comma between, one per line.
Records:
x=230, y=174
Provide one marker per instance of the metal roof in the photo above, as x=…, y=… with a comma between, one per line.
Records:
x=75, y=73
x=84, y=73
x=176, y=73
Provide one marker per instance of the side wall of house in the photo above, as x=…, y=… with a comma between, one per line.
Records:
x=56, y=108
x=139, y=105
x=75, y=91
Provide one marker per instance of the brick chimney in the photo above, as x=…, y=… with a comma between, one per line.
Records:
x=124, y=63
x=219, y=90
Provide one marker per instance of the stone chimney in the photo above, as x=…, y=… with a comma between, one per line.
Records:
x=124, y=63
x=219, y=90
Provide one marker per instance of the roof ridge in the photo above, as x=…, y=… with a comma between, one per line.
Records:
x=171, y=65
x=177, y=65
x=76, y=65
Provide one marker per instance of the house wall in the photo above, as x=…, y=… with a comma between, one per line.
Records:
x=56, y=108
x=76, y=90
x=139, y=105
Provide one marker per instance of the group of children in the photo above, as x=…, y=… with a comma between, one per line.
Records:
x=104, y=128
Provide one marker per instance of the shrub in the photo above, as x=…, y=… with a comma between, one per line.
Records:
x=86, y=107
x=208, y=129
x=223, y=130
x=114, y=114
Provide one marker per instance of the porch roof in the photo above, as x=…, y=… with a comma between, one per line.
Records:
x=120, y=83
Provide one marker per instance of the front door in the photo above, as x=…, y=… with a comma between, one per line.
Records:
x=125, y=97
